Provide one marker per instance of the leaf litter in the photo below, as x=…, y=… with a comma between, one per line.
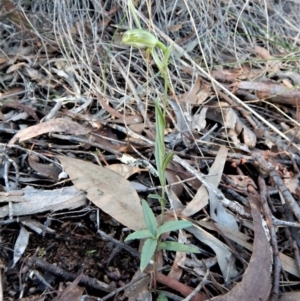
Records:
x=72, y=100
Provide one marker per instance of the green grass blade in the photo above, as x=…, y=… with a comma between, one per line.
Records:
x=141, y=234
x=173, y=226
x=150, y=219
x=176, y=246
x=148, y=250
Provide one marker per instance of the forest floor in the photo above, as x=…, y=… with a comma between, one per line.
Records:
x=79, y=150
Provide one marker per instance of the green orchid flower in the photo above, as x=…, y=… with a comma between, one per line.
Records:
x=140, y=38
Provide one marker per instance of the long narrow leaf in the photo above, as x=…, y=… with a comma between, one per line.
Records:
x=159, y=142
x=160, y=122
x=157, y=60
x=148, y=250
x=141, y=234
x=173, y=226
x=176, y=246
x=167, y=159
x=150, y=219
x=158, y=159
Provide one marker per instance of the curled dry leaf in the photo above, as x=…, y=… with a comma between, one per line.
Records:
x=55, y=125
x=124, y=170
x=139, y=290
x=273, y=65
x=217, y=210
x=234, y=124
x=47, y=170
x=256, y=282
x=275, y=93
x=290, y=296
x=71, y=292
x=200, y=200
x=197, y=94
x=107, y=190
x=241, y=181
x=288, y=263
x=30, y=200
x=224, y=255
x=20, y=245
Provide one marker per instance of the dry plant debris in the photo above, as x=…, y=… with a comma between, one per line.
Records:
x=77, y=138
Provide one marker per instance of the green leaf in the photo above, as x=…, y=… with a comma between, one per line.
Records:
x=160, y=122
x=148, y=250
x=173, y=226
x=176, y=246
x=162, y=298
x=167, y=160
x=154, y=196
x=158, y=62
x=150, y=219
x=167, y=53
x=162, y=200
x=141, y=234
x=159, y=151
x=158, y=158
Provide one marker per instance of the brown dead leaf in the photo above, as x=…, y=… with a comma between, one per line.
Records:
x=47, y=170
x=197, y=94
x=265, y=54
x=139, y=290
x=290, y=296
x=124, y=170
x=25, y=108
x=55, y=125
x=224, y=75
x=273, y=92
x=16, y=16
x=12, y=91
x=106, y=138
x=29, y=201
x=173, y=177
x=241, y=181
x=256, y=282
x=107, y=190
x=176, y=27
x=290, y=180
x=71, y=292
x=124, y=119
x=179, y=261
x=15, y=67
x=200, y=200
x=3, y=60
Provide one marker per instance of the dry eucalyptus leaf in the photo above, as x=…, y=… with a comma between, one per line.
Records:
x=256, y=282
x=229, y=118
x=139, y=291
x=197, y=94
x=224, y=255
x=30, y=200
x=217, y=210
x=107, y=190
x=124, y=170
x=71, y=292
x=199, y=120
x=200, y=200
x=275, y=93
x=59, y=125
x=47, y=170
x=288, y=263
x=20, y=245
